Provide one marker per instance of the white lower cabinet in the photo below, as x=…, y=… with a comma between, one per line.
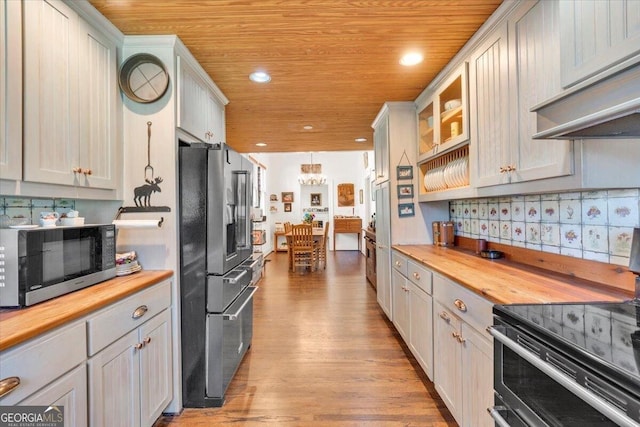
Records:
x=463, y=352
x=130, y=380
x=413, y=308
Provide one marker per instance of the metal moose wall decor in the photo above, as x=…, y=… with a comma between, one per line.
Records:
x=142, y=194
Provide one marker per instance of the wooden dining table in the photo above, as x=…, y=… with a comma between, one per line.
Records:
x=318, y=234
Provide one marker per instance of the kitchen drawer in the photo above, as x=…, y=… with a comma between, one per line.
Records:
x=419, y=275
x=399, y=263
x=470, y=307
x=42, y=360
x=347, y=225
x=112, y=323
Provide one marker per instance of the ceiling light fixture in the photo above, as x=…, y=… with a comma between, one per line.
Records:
x=261, y=144
x=411, y=58
x=361, y=139
x=307, y=127
x=260, y=77
x=311, y=174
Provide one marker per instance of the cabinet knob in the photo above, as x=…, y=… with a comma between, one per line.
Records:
x=7, y=385
x=458, y=337
x=444, y=316
x=138, y=346
x=511, y=168
x=147, y=340
x=416, y=275
x=460, y=305
x=504, y=169
x=139, y=312
x=397, y=263
x=87, y=171
x=77, y=170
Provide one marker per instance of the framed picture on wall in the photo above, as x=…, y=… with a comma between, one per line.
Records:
x=273, y=198
x=316, y=199
x=287, y=196
x=405, y=191
x=287, y=207
x=406, y=209
x=404, y=172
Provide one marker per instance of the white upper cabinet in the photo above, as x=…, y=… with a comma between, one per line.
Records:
x=70, y=134
x=10, y=90
x=490, y=109
x=534, y=77
x=200, y=112
x=596, y=35
x=381, y=147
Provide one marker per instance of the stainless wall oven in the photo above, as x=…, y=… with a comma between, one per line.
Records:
x=566, y=365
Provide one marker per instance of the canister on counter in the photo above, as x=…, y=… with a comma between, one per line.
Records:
x=436, y=232
x=446, y=234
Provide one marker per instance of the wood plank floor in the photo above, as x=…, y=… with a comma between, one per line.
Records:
x=323, y=354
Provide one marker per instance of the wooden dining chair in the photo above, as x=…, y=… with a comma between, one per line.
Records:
x=321, y=247
x=287, y=229
x=302, y=248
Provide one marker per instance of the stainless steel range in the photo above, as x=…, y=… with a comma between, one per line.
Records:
x=215, y=245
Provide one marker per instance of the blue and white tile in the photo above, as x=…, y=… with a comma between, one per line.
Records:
x=42, y=204
x=594, y=211
x=570, y=196
x=483, y=225
x=494, y=229
x=549, y=211
x=466, y=226
x=570, y=211
x=517, y=210
x=459, y=226
x=623, y=211
x=532, y=210
x=483, y=210
x=594, y=194
x=533, y=233
x=595, y=256
x=533, y=246
x=505, y=211
x=17, y=202
x=475, y=231
x=550, y=234
x=466, y=210
x=571, y=236
x=452, y=209
x=619, y=260
x=473, y=205
x=518, y=244
x=505, y=231
x=493, y=209
x=620, y=241
x=550, y=196
x=551, y=249
x=519, y=231
x=574, y=253
x=595, y=238
x=627, y=192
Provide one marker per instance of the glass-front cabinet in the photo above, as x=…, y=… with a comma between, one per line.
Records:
x=443, y=123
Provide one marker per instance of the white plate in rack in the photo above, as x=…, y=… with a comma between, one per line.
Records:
x=24, y=227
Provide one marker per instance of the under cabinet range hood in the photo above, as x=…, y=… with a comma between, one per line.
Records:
x=609, y=108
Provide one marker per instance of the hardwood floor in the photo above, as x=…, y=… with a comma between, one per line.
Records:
x=323, y=354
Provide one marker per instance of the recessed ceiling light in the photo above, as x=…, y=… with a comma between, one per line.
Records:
x=261, y=144
x=361, y=139
x=411, y=58
x=260, y=77
x=307, y=127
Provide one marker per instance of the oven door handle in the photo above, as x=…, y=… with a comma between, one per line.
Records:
x=234, y=316
x=593, y=400
x=495, y=414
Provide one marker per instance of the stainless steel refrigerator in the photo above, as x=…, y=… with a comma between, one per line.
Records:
x=215, y=293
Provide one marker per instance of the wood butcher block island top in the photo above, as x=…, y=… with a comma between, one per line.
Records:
x=505, y=282
x=21, y=324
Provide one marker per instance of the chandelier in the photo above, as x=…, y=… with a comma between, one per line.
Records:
x=311, y=174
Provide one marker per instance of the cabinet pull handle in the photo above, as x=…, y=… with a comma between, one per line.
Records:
x=459, y=338
x=503, y=169
x=416, y=275
x=138, y=346
x=460, y=305
x=455, y=335
x=147, y=340
x=445, y=317
x=7, y=385
x=139, y=312
x=87, y=171
x=76, y=170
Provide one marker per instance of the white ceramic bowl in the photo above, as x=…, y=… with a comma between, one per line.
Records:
x=48, y=222
x=451, y=104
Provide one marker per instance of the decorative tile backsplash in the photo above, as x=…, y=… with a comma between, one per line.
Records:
x=25, y=210
x=596, y=225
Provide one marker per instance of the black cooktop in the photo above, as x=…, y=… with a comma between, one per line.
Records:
x=608, y=332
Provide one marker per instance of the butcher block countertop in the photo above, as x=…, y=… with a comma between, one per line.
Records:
x=21, y=324
x=506, y=282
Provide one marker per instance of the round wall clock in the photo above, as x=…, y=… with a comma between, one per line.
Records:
x=143, y=78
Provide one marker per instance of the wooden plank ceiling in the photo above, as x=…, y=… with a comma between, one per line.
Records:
x=333, y=62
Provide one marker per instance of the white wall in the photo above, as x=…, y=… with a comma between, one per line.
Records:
x=339, y=167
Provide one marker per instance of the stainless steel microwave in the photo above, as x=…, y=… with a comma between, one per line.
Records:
x=42, y=263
